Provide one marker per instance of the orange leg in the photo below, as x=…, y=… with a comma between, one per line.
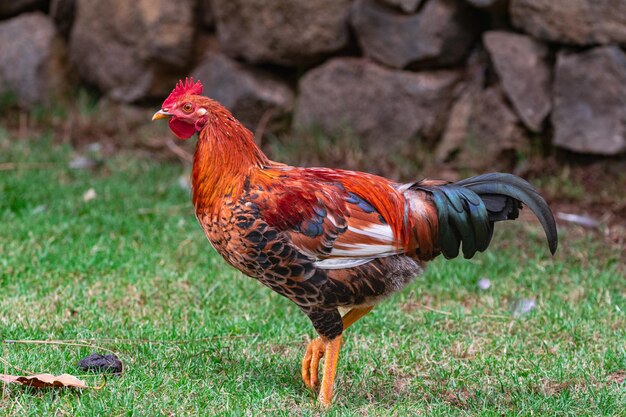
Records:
x=316, y=350
x=330, y=368
x=310, y=363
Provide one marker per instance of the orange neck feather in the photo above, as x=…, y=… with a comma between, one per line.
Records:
x=225, y=156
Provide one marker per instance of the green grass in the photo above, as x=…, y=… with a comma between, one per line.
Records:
x=131, y=271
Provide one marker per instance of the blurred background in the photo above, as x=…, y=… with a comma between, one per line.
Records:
x=404, y=88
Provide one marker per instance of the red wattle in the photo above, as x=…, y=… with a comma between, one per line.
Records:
x=181, y=129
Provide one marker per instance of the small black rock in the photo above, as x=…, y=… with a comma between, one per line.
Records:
x=101, y=363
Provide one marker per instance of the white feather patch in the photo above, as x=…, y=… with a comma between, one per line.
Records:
x=377, y=231
x=363, y=250
x=341, y=263
x=418, y=207
x=331, y=219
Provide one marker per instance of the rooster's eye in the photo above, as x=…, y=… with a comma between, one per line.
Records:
x=187, y=107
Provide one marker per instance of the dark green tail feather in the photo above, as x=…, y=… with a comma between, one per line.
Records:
x=468, y=209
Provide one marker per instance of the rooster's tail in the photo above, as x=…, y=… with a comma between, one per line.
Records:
x=468, y=209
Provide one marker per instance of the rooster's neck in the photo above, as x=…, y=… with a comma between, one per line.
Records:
x=225, y=155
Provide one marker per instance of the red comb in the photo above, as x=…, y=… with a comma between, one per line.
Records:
x=182, y=88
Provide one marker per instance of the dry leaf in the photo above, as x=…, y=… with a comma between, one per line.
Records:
x=45, y=381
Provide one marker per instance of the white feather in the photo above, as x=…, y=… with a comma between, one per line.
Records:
x=332, y=219
x=418, y=206
x=376, y=231
x=364, y=250
x=341, y=263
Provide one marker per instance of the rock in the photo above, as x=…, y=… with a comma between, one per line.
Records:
x=249, y=93
x=10, y=8
x=484, y=284
x=184, y=182
x=101, y=363
x=579, y=22
x=295, y=32
x=523, y=306
x=42, y=208
x=82, y=162
x=521, y=65
x=590, y=101
x=89, y=195
x=130, y=50
x=485, y=130
x=457, y=127
x=380, y=105
x=407, y=6
x=579, y=219
x=495, y=133
x=32, y=60
x=441, y=34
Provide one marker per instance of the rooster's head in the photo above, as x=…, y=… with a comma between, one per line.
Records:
x=186, y=109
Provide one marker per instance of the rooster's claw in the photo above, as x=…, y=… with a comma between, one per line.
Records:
x=310, y=363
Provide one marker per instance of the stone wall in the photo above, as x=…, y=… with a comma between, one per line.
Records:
x=473, y=78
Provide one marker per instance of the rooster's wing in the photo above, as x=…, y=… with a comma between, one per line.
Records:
x=341, y=219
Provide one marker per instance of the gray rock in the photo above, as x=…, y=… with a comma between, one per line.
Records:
x=484, y=284
x=590, y=101
x=484, y=131
x=249, y=93
x=184, y=182
x=579, y=219
x=295, y=32
x=379, y=105
x=494, y=128
x=32, y=59
x=42, y=208
x=101, y=364
x=82, y=162
x=523, y=306
x=130, y=50
x=521, y=65
x=457, y=127
x=441, y=34
x=579, y=22
x=407, y=6
x=10, y=8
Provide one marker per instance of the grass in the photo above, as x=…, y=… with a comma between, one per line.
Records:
x=130, y=271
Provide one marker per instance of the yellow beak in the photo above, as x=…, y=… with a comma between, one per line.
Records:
x=161, y=114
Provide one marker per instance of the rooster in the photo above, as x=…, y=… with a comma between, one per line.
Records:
x=332, y=241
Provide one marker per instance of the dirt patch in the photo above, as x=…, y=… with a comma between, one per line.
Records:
x=415, y=302
x=551, y=388
x=459, y=398
x=618, y=377
x=590, y=186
